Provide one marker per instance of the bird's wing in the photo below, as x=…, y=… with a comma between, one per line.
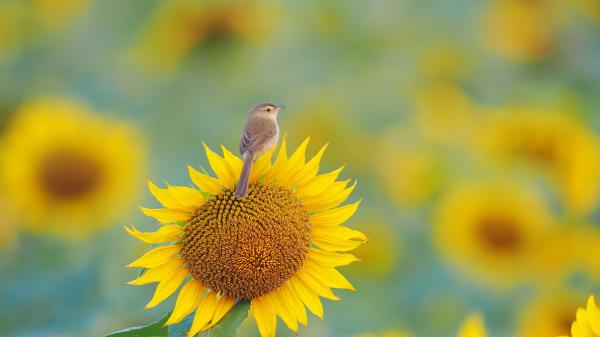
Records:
x=256, y=134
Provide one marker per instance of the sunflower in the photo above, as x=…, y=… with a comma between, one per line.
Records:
x=474, y=326
x=383, y=257
x=587, y=322
x=560, y=146
x=66, y=170
x=549, y=313
x=522, y=30
x=176, y=27
x=277, y=248
x=492, y=231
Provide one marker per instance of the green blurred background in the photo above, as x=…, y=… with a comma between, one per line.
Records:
x=471, y=126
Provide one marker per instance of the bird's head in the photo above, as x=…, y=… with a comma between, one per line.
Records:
x=266, y=110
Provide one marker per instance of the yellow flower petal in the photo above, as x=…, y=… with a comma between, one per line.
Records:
x=330, y=198
x=319, y=184
x=294, y=165
x=204, y=313
x=280, y=163
x=189, y=197
x=335, y=244
x=159, y=273
x=166, y=215
x=264, y=316
x=188, y=300
x=335, y=216
x=310, y=299
x=204, y=182
x=281, y=309
x=261, y=166
x=224, y=304
x=309, y=171
x=166, y=287
x=293, y=303
x=312, y=282
x=220, y=167
x=583, y=323
x=164, y=234
x=327, y=275
x=594, y=314
x=233, y=162
x=330, y=259
x=165, y=197
x=155, y=257
x=338, y=232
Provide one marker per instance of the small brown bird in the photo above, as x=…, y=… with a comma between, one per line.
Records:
x=261, y=134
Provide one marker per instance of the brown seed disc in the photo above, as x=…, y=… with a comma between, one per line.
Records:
x=67, y=175
x=247, y=247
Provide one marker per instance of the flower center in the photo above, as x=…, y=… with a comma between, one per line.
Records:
x=499, y=234
x=247, y=247
x=67, y=175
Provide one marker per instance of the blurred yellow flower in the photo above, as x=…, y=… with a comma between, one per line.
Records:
x=390, y=333
x=549, y=314
x=56, y=14
x=444, y=62
x=409, y=170
x=277, y=248
x=474, y=326
x=564, y=148
x=8, y=229
x=12, y=24
x=521, y=29
x=590, y=8
x=587, y=322
x=178, y=26
x=66, y=170
x=443, y=113
x=382, y=251
x=492, y=230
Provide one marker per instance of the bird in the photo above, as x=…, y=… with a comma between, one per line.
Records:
x=260, y=134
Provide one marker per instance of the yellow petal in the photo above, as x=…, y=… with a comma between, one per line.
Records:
x=164, y=234
x=338, y=232
x=330, y=198
x=155, y=257
x=309, y=298
x=327, y=275
x=293, y=303
x=583, y=323
x=594, y=314
x=293, y=165
x=233, y=162
x=188, y=300
x=309, y=171
x=189, y=197
x=319, y=184
x=330, y=259
x=159, y=273
x=281, y=310
x=224, y=304
x=166, y=287
x=204, y=182
x=166, y=215
x=313, y=283
x=280, y=163
x=220, y=167
x=335, y=216
x=165, y=197
x=204, y=313
x=261, y=166
x=335, y=244
x=264, y=316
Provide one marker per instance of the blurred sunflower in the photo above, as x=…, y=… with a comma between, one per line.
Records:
x=549, y=314
x=179, y=26
x=8, y=229
x=561, y=146
x=523, y=30
x=410, y=170
x=443, y=113
x=67, y=171
x=277, y=248
x=56, y=14
x=587, y=322
x=474, y=326
x=492, y=231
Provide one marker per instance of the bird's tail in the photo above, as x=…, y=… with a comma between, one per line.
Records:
x=242, y=187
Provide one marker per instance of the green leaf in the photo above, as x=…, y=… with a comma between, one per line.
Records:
x=228, y=327
x=155, y=329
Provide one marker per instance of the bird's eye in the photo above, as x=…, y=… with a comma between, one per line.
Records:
x=268, y=109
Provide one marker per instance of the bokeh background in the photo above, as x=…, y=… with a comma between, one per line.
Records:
x=471, y=126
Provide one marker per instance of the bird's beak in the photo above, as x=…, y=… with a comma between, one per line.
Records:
x=280, y=106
